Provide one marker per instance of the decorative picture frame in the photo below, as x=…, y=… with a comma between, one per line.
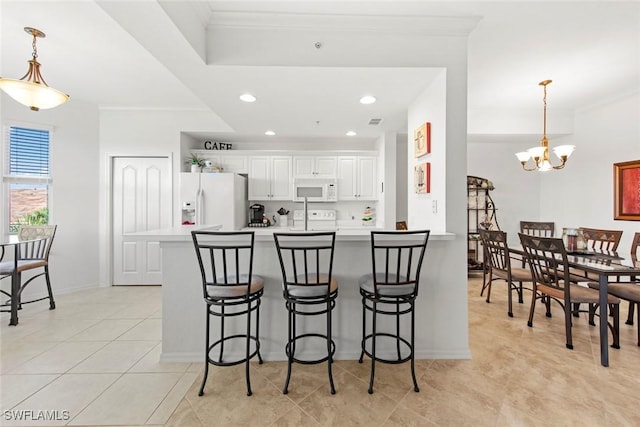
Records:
x=422, y=178
x=626, y=190
x=422, y=139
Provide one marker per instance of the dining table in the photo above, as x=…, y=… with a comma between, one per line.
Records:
x=13, y=255
x=605, y=265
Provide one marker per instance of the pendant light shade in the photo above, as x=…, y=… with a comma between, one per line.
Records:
x=32, y=90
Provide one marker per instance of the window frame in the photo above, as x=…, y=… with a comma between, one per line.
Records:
x=7, y=178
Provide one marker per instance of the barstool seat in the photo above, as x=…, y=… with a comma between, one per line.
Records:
x=235, y=291
x=390, y=290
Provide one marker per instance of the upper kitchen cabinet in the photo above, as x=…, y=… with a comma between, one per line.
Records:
x=270, y=178
x=234, y=163
x=315, y=166
x=357, y=178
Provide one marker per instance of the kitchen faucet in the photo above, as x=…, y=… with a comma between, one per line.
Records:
x=306, y=216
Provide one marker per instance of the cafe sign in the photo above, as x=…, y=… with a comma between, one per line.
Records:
x=213, y=145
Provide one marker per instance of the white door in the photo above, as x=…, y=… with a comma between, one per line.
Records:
x=141, y=197
x=259, y=178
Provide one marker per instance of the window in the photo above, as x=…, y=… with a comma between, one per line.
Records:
x=27, y=176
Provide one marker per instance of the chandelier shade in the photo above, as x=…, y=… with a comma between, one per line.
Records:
x=32, y=90
x=540, y=154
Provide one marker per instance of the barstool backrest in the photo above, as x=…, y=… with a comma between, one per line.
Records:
x=396, y=258
x=225, y=259
x=306, y=260
x=33, y=232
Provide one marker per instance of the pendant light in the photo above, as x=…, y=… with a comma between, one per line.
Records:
x=31, y=90
x=540, y=154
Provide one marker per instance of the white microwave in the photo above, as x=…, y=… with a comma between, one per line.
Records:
x=315, y=190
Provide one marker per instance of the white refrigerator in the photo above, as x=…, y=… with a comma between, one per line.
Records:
x=214, y=198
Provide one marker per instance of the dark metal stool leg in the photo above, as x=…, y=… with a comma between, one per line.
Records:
x=290, y=344
x=364, y=329
x=258, y=302
x=413, y=328
x=221, y=333
x=248, y=347
x=329, y=356
x=398, y=328
x=373, y=348
x=206, y=354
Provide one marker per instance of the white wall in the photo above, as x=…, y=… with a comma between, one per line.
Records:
x=581, y=194
x=142, y=133
x=429, y=106
x=401, y=172
x=74, y=198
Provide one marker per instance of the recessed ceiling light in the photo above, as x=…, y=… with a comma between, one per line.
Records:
x=351, y=133
x=247, y=97
x=367, y=99
x=270, y=133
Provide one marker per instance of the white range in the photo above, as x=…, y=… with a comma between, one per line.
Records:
x=318, y=219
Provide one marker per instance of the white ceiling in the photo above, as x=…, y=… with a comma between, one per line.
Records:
x=149, y=54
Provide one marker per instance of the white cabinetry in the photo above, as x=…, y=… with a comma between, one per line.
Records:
x=270, y=178
x=314, y=166
x=234, y=163
x=357, y=178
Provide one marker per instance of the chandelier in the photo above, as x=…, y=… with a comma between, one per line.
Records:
x=540, y=154
x=31, y=90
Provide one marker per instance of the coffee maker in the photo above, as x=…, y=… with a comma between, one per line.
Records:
x=256, y=215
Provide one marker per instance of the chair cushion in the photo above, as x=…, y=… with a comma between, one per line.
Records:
x=366, y=284
x=579, y=294
x=517, y=274
x=303, y=290
x=627, y=291
x=220, y=290
x=6, y=267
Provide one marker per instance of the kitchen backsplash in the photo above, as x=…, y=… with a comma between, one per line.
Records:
x=348, y=213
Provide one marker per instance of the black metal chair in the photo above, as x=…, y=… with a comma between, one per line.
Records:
x=309, y=289
x=31, y=253
x=230, y=289
x=547, y=258
x=391, y=290
x=498, y=261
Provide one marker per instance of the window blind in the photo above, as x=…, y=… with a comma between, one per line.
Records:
x=28, y=152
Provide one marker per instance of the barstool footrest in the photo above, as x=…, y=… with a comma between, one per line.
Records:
x=406, y=343
x=309, y=362
x=234, y=362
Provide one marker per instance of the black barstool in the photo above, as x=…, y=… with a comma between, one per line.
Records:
x=397, y=260
x=306, y=260
x=230, y=289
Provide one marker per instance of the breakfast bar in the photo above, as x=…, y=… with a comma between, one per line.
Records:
x=183, y=309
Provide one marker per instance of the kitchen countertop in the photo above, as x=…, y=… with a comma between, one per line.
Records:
x=182, y=233
x=178, y=233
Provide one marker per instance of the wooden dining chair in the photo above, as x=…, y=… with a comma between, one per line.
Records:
x=627, y=288
x=499, y=267
x=538, y=228
x=547, y=258
x=599, y=240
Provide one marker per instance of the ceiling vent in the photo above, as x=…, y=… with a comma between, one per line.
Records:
x=375, y=122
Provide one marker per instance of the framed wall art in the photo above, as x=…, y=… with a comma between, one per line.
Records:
x=422, y=178
x=422, y=139
x=626, y=190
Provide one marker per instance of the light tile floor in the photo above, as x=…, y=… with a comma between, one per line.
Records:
x=96, y=356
